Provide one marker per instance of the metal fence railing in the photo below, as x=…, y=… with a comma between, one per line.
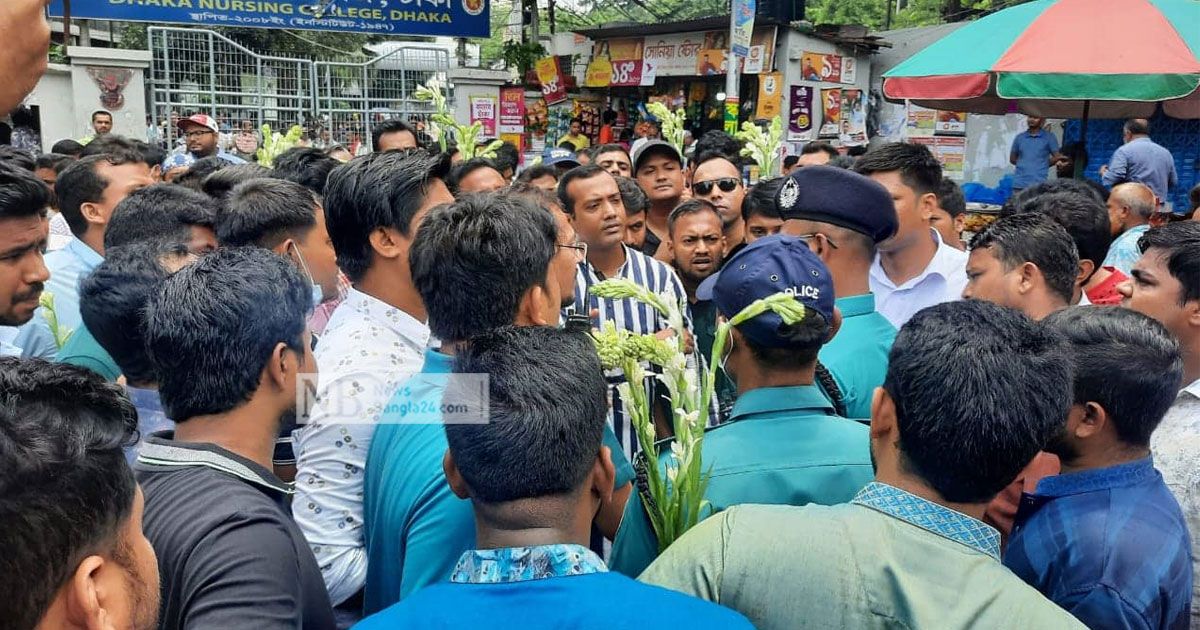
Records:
x=201, y=71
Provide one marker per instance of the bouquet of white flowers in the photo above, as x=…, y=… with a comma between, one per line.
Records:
x=466, y=135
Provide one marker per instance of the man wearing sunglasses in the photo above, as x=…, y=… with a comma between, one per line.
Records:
x=719, y=182
x=843, y=216
x=201, y=133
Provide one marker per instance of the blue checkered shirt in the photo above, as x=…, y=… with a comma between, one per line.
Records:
x=1108, y=545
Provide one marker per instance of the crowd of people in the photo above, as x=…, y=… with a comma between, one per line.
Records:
x=239, y=396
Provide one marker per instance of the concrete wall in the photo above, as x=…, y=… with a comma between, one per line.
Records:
x=789, y=47
x=67, y=95
x=470, y=82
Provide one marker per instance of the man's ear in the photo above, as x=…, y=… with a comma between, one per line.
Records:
x=387, y=243
x=278, y=367
x=883, y=414
x=83, y=595
x=604, y=475
x=1030, y=275
x=458, y=485
x=1090, y=422
x=1086, y=269
x=92, y=213
x=530, y=311
x=836, y=324
x=925, y=204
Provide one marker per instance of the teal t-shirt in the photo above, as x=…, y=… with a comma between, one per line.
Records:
x=83, y=350
x=782, y=445
x=857, y=356
x=414, y=527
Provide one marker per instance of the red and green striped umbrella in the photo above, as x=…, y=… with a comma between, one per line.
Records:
x=1063, y=59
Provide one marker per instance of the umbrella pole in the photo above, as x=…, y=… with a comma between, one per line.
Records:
x=1081, y=166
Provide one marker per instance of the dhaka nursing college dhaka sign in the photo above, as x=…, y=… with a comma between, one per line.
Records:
x=454, y=18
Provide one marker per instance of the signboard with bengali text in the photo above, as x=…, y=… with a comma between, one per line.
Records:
x=455, y=18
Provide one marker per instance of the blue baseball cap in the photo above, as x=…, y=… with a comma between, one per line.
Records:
x=768, y=266
x=559, y=155
x=828, y=194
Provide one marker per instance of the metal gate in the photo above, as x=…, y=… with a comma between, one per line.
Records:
x=201, y=71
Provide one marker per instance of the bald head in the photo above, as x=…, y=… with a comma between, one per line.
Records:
x=1130, y=204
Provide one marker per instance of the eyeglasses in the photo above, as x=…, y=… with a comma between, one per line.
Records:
x=807, y=237
x=579, y=246
x=726, y=184
x=197, y=133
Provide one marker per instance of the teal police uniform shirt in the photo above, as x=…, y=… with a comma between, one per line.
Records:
x=857, y=356
x=414, y=527
x=782, y=445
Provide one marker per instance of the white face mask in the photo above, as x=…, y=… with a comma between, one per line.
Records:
x=318, y=295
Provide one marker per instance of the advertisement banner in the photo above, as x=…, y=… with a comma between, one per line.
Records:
x=770, y=96
x=743, y=26
x=818, y=67
x=951, y=152
x=831, y=112
x=512, y=110
x=483, y=111
x=731, y=115
x=853, y=128
x=849, y=70
x=800, y=121
x=679, y=54
x=950, y=123
x=626, y=58
x=453, y=18
x=599, y=73
x=549, y=75
x=922, y=122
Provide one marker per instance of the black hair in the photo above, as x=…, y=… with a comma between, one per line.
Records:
x=577, y=119
x=539, y=196
x=586, y=171
x=80, y=183
x=53, y=161
x=790, y=161
x=802, y=342
x=856, y=151
x=1180, y=243
x=608, y=117
x=460, y=171
x=198, y=171
x=22, y=116
x=507, y=157
x=22, y=195
x=17, y=157
x=632, y=196
x=99, y=112
x=214, y=324
x=66, y=490
x=760, y=199
x=546, y=414
x=1194, y=197
x=843, y=161
x=379, y=190
x=969, y=417
x=161, y=212
x=67, y=146
x=721, y=143
x=689, y=207
x=473, y=260
x=1084, y=218
x=1017, y=203
x=819, y=147
x=601, y=149
x=306, y=166
x=1138, y=126
x=950, y=197
x=394, y=125
x=112, y=143
x=709, y=156
x=1038, y=239
x=918, y=169
x=113, y=297
x=537, y=171
x=218, y=184
x=1124, y=361
x=265, y=212
x=567, y=144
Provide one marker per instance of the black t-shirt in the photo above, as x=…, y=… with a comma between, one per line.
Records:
x=229, y=553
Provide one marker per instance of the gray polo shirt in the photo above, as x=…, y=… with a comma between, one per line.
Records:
x=229, y=554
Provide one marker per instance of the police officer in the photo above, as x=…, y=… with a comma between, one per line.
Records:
x=782, y=444
x=842, y=216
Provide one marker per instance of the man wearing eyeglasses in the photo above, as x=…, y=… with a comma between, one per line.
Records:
x=719, y=182
x=200, y=132
x=843, y=216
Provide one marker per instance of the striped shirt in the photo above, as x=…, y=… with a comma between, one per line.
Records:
x=630, y=315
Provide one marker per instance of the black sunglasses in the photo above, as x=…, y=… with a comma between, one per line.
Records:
x=726, y=184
